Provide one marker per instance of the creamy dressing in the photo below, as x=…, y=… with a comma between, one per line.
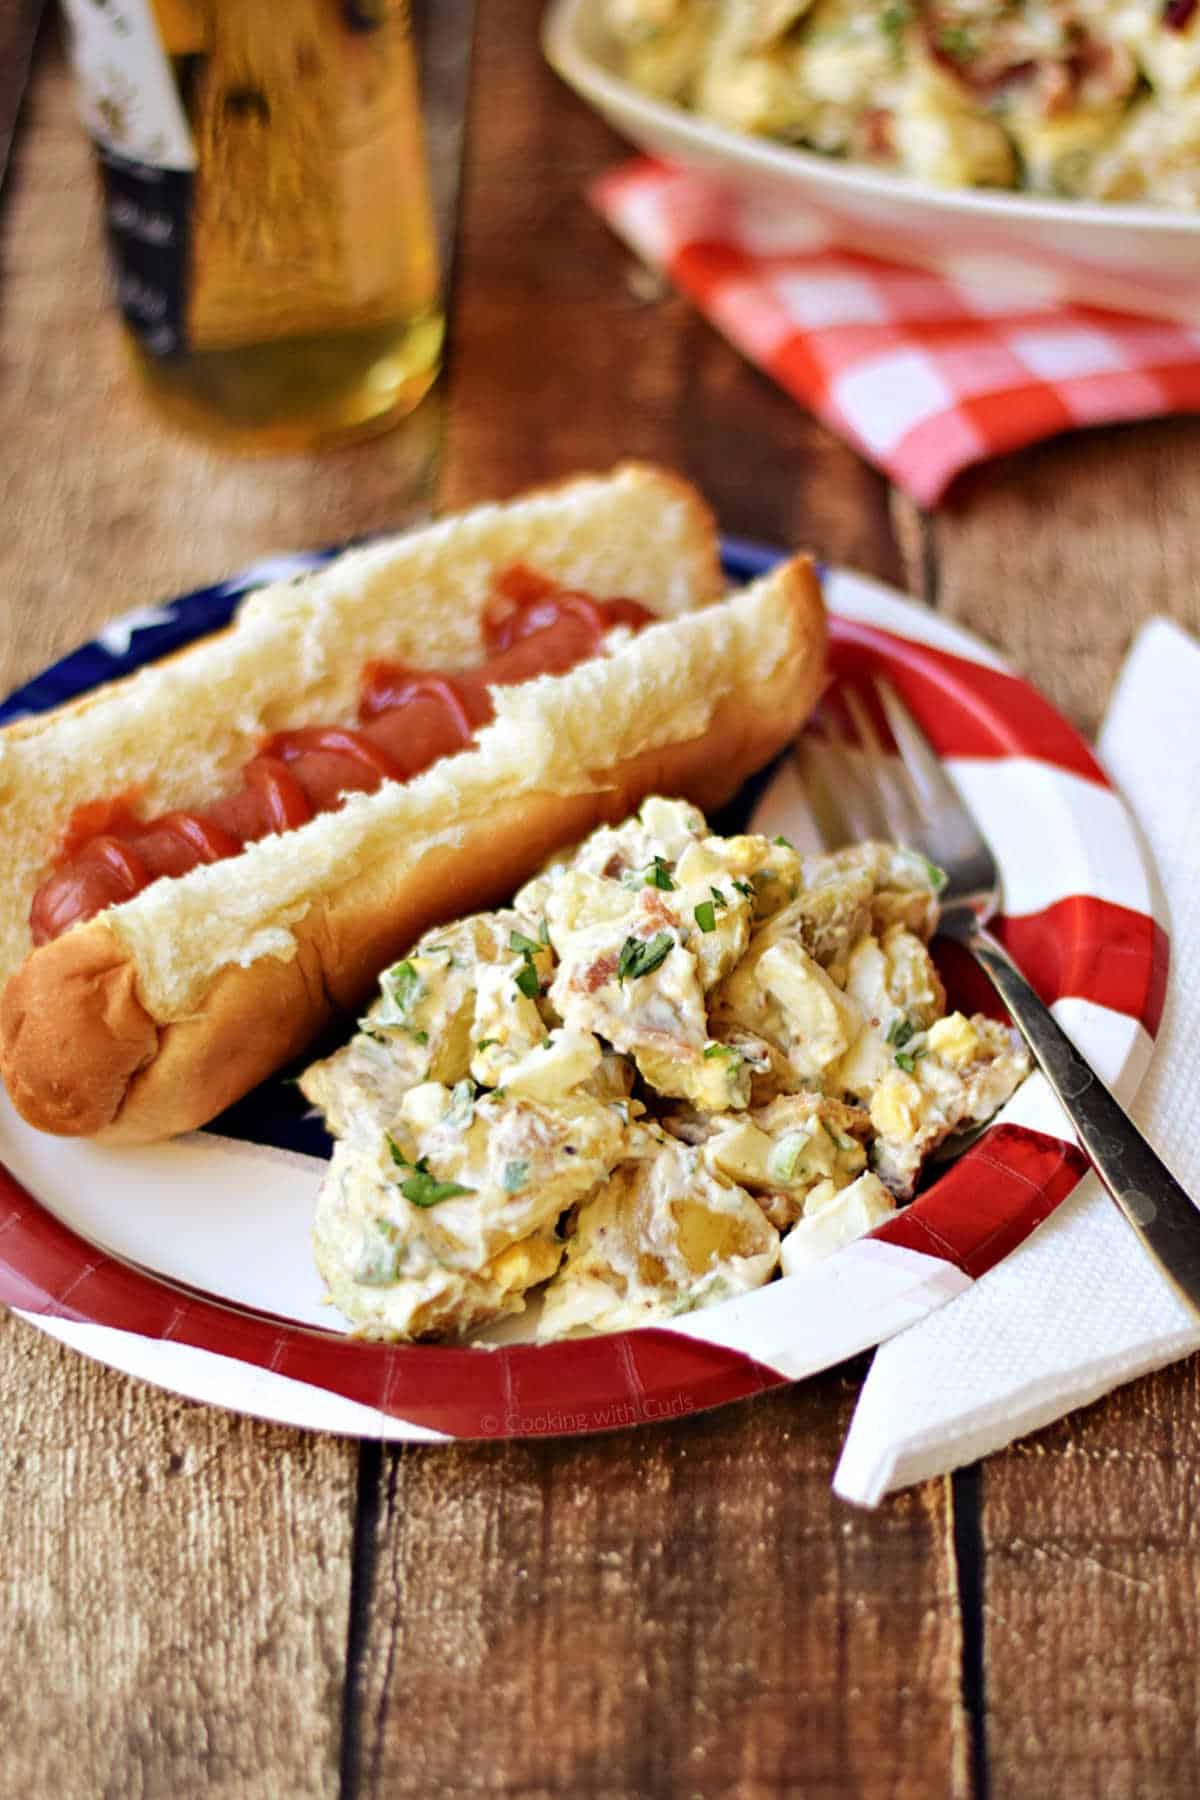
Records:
x=676, y=1064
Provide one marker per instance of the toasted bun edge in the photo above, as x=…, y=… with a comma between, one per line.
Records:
x=82, y=1055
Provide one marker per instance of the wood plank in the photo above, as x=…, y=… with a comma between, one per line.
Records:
x=1060, y=553
x=683, y=1610
x=686, y=1609
x=175, y=1593
x=1092, y=1600
x=1091, y=1552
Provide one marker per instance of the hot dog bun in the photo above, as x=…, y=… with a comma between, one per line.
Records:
x=151, y=1017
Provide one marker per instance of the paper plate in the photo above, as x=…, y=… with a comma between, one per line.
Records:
x=188, y=1263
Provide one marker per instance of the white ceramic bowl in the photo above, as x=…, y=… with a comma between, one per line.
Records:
x=1145, y=259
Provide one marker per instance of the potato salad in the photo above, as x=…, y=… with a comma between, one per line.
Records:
x=1095, y=99
x=679, y=1065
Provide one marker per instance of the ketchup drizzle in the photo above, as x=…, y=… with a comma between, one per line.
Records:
x=407, y=720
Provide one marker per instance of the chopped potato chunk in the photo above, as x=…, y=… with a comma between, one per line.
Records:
x=663, y=1235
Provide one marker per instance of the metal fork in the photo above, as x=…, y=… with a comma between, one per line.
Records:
x=914, y=803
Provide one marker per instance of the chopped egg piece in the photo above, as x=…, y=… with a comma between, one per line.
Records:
x=837, y=1221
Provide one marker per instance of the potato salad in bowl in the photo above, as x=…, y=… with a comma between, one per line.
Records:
x=1092, y=99
x=680, y=1065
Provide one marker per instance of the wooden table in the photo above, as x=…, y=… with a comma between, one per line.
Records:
x=193, y=1602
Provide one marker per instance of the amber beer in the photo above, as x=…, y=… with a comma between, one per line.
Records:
x=267, y=209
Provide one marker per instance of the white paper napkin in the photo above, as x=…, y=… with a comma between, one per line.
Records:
x=1079, y=1308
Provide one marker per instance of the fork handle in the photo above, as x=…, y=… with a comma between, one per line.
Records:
x=1165, y=1219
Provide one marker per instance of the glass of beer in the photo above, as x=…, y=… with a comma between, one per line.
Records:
x=267, y=208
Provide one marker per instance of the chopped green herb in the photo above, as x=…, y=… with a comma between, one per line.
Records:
x=422, y=1188
x=461, y=1109
x=893, y=21
x=402, y=985
x=527, y=981
x=641, y=957
x=424, y=1191
x=745, y=887
x=527, y=946
x=956, y=41
x=785, y=843
x=786, y=1157
x=516, y=1174
x=838, y=1137
x=420, y=1037
x=937, y=877
x=908, y=1059
x=378, y=1256
x=485, y=1044
x=706, y=917
x=718, y=897
x=544, y=933
x=656, y=874
x=711, y=1050
x=899, y=1032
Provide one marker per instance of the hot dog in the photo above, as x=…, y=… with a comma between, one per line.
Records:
x=211, y=858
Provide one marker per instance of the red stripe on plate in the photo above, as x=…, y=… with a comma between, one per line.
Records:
x=1080, y=947
x=1094, y=951
x=990, y=1200
x=590, y=1384
x=963, y=707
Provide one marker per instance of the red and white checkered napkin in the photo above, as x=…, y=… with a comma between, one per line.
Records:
x=922, y=374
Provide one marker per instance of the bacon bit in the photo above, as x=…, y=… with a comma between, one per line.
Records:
x=782, y=1210
x=1178, y=14
x=600, y=972
x=875, y=129
x=1055, y=87
x=655, y=910
x=985, y=69
x=614, y=868
x=1103, y=73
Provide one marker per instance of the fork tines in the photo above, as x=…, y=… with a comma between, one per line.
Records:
x=861, y=786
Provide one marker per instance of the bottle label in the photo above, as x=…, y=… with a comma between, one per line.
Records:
x=132, y=111
x=126, y=87
x=262, y=167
